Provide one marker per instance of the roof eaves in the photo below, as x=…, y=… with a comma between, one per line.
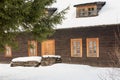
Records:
x=91, y=3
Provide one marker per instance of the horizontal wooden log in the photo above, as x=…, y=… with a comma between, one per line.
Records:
x=25, y=64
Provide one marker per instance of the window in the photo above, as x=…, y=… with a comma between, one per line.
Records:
x=76, y=47
x=32, y=48
x=8, y=51
x=48, y=47
x=92, y=47
x=82, y=12
x=87, y=11
x=91, y=11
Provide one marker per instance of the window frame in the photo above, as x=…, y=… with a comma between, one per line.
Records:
x=36, y=49
x=77, y=39
x=97, y=46
x=10, y=52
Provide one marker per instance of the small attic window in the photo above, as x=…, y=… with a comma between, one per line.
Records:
x=88, y=9
x=50, y=11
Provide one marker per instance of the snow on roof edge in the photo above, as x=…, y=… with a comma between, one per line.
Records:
x=102, y=25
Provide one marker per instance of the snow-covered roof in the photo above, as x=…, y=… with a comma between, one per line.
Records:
x=109, y=14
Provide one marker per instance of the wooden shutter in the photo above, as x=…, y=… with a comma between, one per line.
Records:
x=48, y=47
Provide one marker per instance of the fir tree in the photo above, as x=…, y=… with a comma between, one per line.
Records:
x=29, y=16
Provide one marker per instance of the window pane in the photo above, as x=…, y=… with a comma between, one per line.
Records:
x=82, y=12
x=91, y=11
x=90, y=44
x=94, y=46
x=74, y=47
x=78, y=47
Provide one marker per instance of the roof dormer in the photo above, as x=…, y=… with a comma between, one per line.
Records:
x=50, y=11
x=88, y=9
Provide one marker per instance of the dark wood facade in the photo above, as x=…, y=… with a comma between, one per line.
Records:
x=109, y=41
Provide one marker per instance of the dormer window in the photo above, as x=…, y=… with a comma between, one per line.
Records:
x=88, y=9
x=50, y=11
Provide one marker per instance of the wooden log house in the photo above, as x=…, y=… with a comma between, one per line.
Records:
x=87, y=38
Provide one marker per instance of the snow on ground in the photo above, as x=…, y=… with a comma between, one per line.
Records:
x=55, y=72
